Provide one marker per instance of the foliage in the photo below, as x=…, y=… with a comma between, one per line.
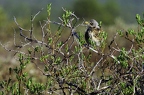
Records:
x=63, y=64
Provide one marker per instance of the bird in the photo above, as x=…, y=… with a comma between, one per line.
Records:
x=92, y=32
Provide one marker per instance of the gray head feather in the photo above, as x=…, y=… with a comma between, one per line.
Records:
x=94, y=24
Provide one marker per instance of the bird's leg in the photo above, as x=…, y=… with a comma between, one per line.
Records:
x=87, y=46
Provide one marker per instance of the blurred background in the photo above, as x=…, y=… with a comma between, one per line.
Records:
x=114, y=14
x=105, y=10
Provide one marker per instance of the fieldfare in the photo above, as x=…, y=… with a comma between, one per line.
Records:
x=92, y=32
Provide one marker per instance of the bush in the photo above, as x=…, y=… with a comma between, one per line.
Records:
x=60, y=63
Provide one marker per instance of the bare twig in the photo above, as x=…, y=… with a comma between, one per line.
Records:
x=15, y=51
x=95, y=66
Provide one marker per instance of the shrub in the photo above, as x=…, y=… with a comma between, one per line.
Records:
x=60, y=63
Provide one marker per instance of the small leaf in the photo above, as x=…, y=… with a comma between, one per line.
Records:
x=49, y=9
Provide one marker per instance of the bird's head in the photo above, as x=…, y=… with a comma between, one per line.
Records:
x=93, y=24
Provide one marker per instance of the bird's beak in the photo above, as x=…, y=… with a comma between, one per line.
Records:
x=87, y=23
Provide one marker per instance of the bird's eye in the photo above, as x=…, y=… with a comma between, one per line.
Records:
x=91, y=23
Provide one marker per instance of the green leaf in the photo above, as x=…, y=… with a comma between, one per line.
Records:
x=49, y=9
x=120, y=32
